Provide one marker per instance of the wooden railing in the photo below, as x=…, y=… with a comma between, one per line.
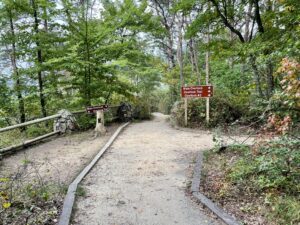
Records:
x=29, y=123
x=11, y=149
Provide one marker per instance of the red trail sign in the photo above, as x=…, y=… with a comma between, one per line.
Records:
x=93, y=109
x=201, y=91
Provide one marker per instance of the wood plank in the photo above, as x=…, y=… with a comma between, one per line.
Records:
x=70, y=197
x=7, y=150
x=215, y=209
x=195, y=189
x=197, y=173
x=29, y=123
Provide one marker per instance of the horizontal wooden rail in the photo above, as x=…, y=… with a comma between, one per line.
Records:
x=83, y=111
x=29, y=123
x=78, y=112
x=42, y=120
x=4, y=151
x=7, y=150
x=114, y=106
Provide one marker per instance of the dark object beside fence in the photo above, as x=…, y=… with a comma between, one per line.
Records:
x=124, y=112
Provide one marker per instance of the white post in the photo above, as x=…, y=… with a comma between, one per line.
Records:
x=207, y=77
x=207, y=110
x=100, y=128
x=185, y=112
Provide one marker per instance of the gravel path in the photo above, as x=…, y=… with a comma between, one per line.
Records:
x=142, y=178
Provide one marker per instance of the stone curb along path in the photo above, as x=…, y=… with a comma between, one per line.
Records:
x=203, y=199
x=70, y=197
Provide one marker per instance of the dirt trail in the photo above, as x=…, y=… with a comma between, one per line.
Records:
x=60, y=159
x=141, y=180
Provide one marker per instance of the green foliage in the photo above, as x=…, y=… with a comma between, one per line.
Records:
x=272, y=169
x=5, y=101
x=37, y=130
x=68, y=57
x=265, y=175
x=284, y=209
x=162, y=101
x=86, y=121
x=222, y=111
x=141, y=109
x=81, y=192
x=12, y=137
x=273, y=165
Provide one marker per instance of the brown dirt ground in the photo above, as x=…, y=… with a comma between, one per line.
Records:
x=58, y=159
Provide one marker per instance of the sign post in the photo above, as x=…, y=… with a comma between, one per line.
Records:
x=185, y=111
x=100, y=126
x=207, y=110
x=207, y=71
x=99, y=110
x=200, y=91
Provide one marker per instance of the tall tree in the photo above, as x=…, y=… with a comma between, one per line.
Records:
x=9, y=12
x=35, y=11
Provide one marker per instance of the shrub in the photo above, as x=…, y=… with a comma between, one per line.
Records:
x=284, y=209
x=272, y=165
x=271, y=170
x=86, y=121
x=221, y=112
x=25, y=198
x=38, y=130
x=142, y=109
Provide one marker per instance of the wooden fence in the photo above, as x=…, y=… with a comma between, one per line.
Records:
x=11, y=149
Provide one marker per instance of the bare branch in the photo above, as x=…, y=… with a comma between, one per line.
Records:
x=226, y=22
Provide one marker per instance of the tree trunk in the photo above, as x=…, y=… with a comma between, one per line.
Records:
x=13, y=58
x=257, y=16
x=256, y=76
x=247, y=23
x=270, y=80
x=169, y=51
x=207, y=69
x=194, y=59
x=167, y=20
x=87, y=58
x=179, y=51
x=45, y=20
x=40, y=60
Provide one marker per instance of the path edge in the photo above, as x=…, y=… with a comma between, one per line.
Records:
x=195, y=190
x=69, y=200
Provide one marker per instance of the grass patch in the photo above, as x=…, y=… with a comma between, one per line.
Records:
x=81, y=192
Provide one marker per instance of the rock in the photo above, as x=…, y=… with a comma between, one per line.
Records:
x=66, y=122
x=121, y=202
x=222, y=149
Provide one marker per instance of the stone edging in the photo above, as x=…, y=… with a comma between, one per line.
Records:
x=195, y=189
x=70, y=197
